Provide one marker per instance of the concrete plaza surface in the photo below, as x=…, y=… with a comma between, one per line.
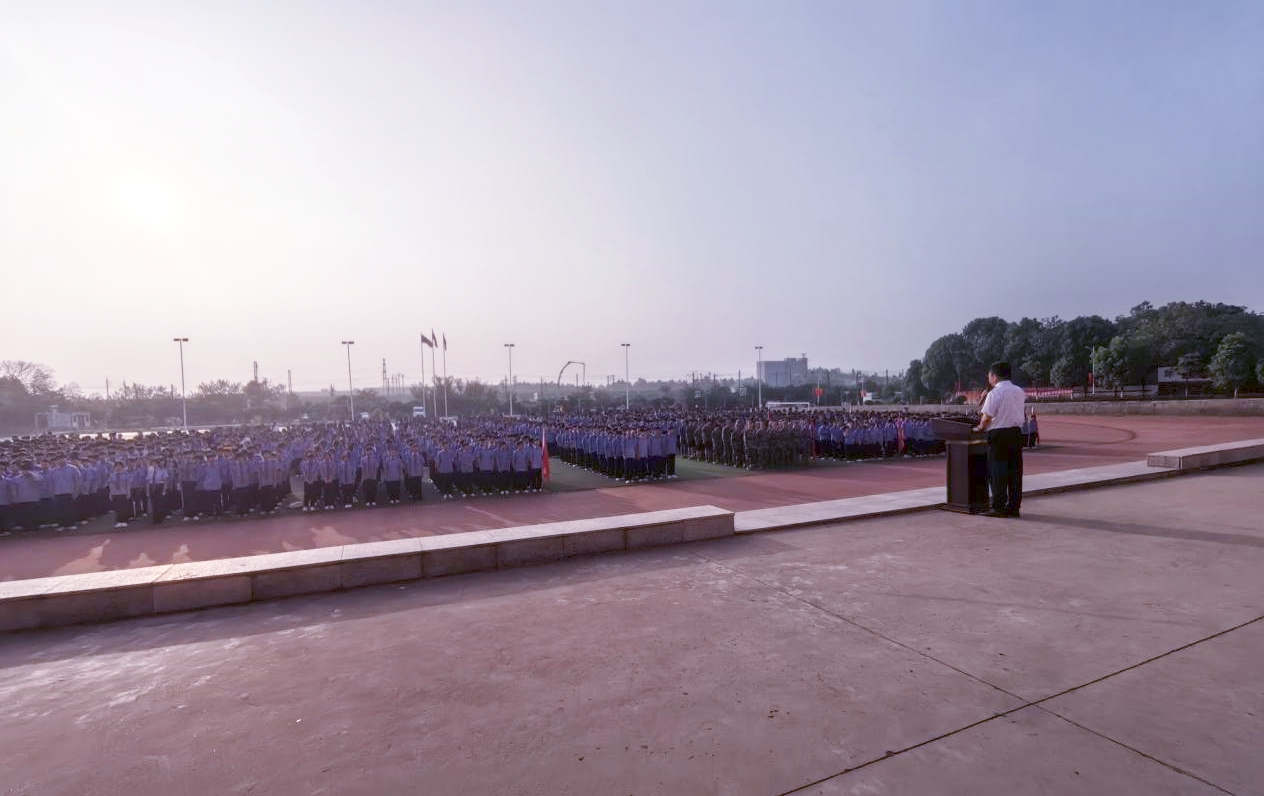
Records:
x=1109, y=642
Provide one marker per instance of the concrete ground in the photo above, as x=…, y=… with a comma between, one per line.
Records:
x=1107, y=643
x=1068, y=442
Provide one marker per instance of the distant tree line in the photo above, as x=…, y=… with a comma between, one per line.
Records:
x=1221, y=342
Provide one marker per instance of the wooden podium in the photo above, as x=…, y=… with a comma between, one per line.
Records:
x=967, y=464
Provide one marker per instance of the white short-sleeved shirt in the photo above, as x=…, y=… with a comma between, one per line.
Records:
x=1004, y=404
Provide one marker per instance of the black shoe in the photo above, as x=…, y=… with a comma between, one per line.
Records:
x=1014, y=514
x=995, y=513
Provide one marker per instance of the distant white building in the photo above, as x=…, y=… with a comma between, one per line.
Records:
x=56, y=420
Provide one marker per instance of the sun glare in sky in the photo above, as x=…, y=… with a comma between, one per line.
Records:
x=147, y=204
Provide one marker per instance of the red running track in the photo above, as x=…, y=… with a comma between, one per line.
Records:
x=1068, y=442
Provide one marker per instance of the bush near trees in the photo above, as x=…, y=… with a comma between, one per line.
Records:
x=1223, y=341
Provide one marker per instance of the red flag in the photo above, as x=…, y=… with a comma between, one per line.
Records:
x=544, y=452
x=426, y=340
x=899, y=436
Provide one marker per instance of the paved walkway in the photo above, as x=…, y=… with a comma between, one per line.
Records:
x=1070, y=443
x=1108, y=643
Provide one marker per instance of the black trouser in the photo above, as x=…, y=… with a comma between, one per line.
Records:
x=370, y=490
x=157, y=502
x=267, y=497
x=392, y=491
x=64, y=508
x=188, y=498
x=122, y=505
x=25, y=515
x=1005, y=468
x=413, y=484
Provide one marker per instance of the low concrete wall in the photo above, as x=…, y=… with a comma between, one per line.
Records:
x=1227, y=407
x=121, y=594
x=1208, y=456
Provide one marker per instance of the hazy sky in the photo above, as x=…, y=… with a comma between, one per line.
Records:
x=843, y=179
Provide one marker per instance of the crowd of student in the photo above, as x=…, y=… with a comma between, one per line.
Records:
x=62, y=481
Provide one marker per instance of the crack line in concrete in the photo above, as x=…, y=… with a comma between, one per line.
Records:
x=1036, y=704
x=1152, y=758
x=1027, y=704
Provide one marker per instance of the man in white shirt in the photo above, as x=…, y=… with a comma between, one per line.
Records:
x=1002, y=418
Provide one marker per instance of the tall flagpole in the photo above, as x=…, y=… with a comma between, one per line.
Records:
x=422, y=346
x=436, y=392
x=445, y=375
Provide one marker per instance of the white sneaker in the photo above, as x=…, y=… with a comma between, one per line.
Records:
x=120, y=525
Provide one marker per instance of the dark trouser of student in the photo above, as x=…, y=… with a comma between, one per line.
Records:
x=393, y=491
x=208, y=502
x=1005, y=468
x=348, y=493
x=311, y=494
x=241, y=500
x=370, y=491
x=412, y=484
x=157, y=502
x=64, y=510
x=330, y=492
x=122, y=506
x=25, y=515
x=267, y=497
x=188, y=498
x=442, y=481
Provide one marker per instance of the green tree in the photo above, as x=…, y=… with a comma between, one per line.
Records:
x=1125, y=361
x=1065, y=373
x=1026, y=349
x=986, y=340
x=1191, y=365
x=945, y=363
x=914, y=389
x=1232, y=364
x=1077, y=338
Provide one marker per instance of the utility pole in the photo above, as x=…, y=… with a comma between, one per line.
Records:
x=759, y=376
x=627, y=393
x=350, y=386
x=184, y=403
x=510, y=347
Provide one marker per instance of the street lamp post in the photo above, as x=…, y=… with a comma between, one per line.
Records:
x=184, y=401
x=759, y=377
x=1092, y=369
x=627, y=382
x=350, y=386
x=510, y=346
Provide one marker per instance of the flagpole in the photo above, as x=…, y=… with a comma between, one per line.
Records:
x=422, y=345
x=436, y=392
x=445, y=375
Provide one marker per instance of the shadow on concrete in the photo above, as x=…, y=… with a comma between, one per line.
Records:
x=939, y=598
x=1186, y=534
x=272, y=616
